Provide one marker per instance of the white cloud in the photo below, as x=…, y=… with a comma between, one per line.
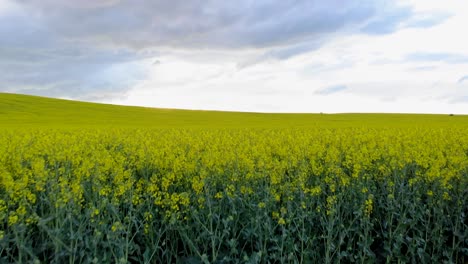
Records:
x=7, y=6
x=374, y=69
x=222, y=64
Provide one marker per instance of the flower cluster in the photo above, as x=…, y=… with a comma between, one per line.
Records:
x=130, y=183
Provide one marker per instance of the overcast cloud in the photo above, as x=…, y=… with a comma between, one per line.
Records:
x=276, y=56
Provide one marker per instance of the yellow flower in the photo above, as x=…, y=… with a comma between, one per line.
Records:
x=148, y=216
x=331, y=201
x=13, y=219
x=197, y=185
x=446, y=196
x=315, y=191
x=95, y=212
x=277, y=197
x=275, y=215
x=117, y=226
x=303, y=205
x=219, y=195
x=281, y=221
x=368, y=206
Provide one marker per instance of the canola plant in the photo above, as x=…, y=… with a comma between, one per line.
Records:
x=234, y=195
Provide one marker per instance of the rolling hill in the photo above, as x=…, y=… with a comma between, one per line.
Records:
x=23, y=111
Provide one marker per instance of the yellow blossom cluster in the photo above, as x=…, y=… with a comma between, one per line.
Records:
x=167, y=174
x=173, y=167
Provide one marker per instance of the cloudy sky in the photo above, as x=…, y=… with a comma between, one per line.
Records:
x=244, y=55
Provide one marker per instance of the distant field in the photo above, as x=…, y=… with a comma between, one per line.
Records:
x=94, y=183
x=33, y=111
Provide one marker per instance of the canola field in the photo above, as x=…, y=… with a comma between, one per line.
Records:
x=322, y=188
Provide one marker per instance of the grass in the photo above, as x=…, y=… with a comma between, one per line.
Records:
x=23, y=111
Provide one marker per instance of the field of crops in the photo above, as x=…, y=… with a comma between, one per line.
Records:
x=227, y=195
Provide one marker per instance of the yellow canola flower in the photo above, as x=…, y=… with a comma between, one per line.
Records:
x=331, y=201
x=368, y=206
x=219, y=195
x=117, y=226
x=13, y=219
x=281, y=221
x=275, y=215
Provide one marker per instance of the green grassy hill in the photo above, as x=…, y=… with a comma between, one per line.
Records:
x=24, y=111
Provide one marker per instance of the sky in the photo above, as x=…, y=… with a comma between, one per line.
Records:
x=330, y=56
